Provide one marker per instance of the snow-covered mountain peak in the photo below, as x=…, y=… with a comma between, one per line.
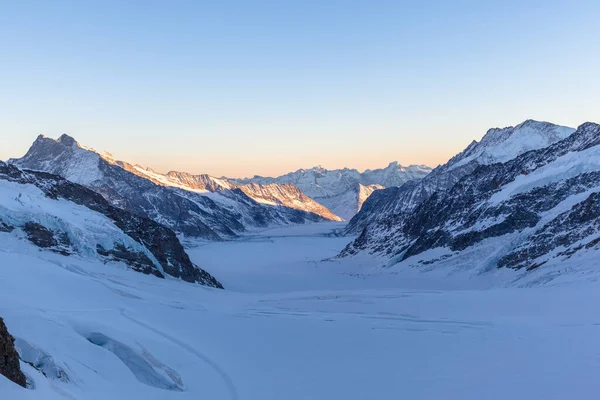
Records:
x=498, y=145
x=40, y=138
x=504, y=144
x=71, y=160
x=107, y=156
x=67, y=140
x=537, y=210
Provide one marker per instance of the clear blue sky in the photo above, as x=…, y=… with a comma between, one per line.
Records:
x=264, y=87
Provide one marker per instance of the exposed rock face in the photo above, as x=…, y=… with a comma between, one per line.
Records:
x=541, y=207
x=4, y=227
x=138, y=261
x=47, y=239
x=9, y=358
x=157, y=240
x=183, y=202
x=200, y=182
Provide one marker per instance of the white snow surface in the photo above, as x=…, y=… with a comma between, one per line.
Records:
x=502, y=145
x=567, y=166
x=292, y=326
x=347, y=204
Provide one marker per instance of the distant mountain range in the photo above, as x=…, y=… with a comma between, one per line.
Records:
x=522, y=197
x=195, y=206
x=343, y=191
x=215, y=208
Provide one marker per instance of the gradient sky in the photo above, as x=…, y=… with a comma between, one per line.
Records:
x=240, y=88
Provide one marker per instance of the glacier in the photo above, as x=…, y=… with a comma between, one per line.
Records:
x=296, y=324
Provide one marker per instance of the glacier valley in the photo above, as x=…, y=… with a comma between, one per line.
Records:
x=295, y=323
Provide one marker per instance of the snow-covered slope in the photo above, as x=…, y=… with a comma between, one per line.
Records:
x=347, y=204
x=200, y=206
x=59, y=216
x=498, y=145
x=344, y=189
x=187, y=181
x=298, y=328
x=537, y=210
x=501, y=145
x=287, y=195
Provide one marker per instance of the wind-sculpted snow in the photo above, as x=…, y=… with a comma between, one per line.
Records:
x=67, y=218
x=540, y=208
x=197, y=206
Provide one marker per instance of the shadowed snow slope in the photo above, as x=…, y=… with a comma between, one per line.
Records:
x=295, y=328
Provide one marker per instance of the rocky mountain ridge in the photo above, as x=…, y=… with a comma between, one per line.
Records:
x=497, y=145
x=194, y=213
x=540, y=208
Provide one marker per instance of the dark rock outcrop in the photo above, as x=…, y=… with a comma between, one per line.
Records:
x=4, y=227
x=9, y=358
x=47, y=239
x=136, y=260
